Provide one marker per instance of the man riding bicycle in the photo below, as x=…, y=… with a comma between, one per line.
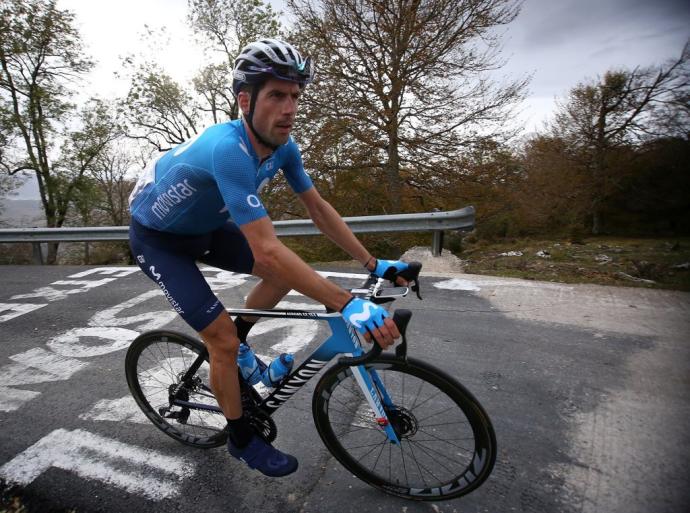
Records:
x=200, y=202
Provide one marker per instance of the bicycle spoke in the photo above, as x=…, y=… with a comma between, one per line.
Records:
x=428, y=450
x=441, y=411
x=421, y=385
x=457, y=422
x=345, y=406
x=442, y=440
x=418, y=467
x=378, y=457
x=416, y=406
x=359, y=428
x=154, y=378
x=163, y=360
x=373, y=448
x=402, y=454
x=435, y=421
x=155, y=363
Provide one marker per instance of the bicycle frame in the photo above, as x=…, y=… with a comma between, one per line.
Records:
x=344, y=340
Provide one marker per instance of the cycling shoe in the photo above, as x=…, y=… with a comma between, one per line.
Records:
x=265, y=458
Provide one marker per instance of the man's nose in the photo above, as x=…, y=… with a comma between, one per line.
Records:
x=289, y=105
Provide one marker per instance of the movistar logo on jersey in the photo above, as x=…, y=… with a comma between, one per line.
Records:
x=175, y=194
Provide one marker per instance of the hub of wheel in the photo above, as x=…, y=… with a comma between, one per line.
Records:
x=403, y=422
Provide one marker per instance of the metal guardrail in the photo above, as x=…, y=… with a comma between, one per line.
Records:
x=436, y=222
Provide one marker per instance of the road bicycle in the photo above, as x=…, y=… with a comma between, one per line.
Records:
x=397, y=423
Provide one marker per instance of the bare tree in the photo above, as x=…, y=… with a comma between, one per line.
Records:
x=214, y=85
x=227, y=26
x=160, y=110
x=164, y=112
x=600, y=117
x=112, y=174
x=401, y=85
x=41, y=61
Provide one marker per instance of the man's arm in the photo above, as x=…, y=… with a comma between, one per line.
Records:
x=327, y=219
x=273, y=260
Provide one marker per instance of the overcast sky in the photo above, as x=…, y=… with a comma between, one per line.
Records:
x=560, y=42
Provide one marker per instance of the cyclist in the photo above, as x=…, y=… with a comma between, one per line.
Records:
x=200, y=202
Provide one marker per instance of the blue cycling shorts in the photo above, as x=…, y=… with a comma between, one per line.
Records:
x=169, y=259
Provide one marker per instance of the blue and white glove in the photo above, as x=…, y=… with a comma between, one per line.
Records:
x=389, y=269
x=363, y=315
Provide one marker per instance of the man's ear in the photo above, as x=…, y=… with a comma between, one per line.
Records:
x=243, y=99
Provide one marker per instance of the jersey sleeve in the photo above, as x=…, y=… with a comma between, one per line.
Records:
x=293, y=169
x=234, y=173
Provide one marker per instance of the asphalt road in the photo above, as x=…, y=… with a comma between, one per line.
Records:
x=587, y=388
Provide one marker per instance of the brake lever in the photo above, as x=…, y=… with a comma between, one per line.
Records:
x=415, y=288
x=411, y=274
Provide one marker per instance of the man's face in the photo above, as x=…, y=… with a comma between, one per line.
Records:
x=275, y=109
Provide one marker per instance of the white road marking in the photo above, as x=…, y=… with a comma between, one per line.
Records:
x=116, y=410
x=153, y=381
x=39, y=366
x=34, y=366
x=150, y=473
x=359, y=276
x=118, y=272
x=144, y=322
x=17, y=309
x=299, y=335
x=222, y=280
x=103, y=335
x=51, y=294
x=75, y=342
x=298, y=332
x=14, y=398
x=457, y=284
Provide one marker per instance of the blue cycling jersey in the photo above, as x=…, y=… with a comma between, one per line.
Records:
x=199, y=185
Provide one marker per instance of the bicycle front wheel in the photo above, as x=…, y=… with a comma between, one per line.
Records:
x=447, y=443
x=155, y=365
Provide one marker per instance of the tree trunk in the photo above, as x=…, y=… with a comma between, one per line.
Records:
x=393, y=169
x=596, y=221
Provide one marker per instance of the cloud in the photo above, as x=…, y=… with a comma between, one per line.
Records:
x=574, y=21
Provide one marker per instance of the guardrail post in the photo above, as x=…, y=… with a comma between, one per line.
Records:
x=38, y=254
x=437, y=243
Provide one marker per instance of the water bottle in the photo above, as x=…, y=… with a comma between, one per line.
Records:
x=250, y=366
x=277, y=370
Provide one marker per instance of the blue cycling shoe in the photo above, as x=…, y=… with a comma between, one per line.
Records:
x=265, y=458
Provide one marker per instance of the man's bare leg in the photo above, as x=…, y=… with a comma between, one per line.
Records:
x=222, y=343
x=265, y=294
x=221, y=340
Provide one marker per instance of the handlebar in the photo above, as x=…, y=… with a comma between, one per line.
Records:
x=401, y=317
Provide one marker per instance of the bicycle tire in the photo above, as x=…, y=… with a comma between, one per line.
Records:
x=154, y=365
x=349, y=430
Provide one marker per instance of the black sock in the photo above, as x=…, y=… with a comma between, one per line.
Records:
x=240, y=431
x=243, y=328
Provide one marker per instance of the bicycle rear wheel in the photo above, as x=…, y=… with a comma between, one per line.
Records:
x=448, y=445
x=155, y=364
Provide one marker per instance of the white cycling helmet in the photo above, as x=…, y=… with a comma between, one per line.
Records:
x=267, y=58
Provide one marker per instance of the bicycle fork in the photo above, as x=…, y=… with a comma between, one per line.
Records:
x=378, y=399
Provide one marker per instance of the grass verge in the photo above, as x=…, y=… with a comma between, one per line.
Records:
x=651, y=262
